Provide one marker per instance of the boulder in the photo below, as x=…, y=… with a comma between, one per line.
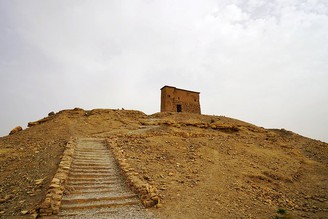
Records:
x=45, y=119
x=30, y=124
x=15, y=130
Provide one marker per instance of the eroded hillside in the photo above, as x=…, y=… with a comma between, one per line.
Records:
x=203, y=166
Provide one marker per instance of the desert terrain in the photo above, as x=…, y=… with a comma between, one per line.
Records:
x=202, y=166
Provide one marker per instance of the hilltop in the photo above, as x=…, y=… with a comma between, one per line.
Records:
x=203, y=166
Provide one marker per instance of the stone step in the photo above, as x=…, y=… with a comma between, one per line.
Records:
x=91, y=151
x=90, y=171
x=90, y=175
x=87, y=164
x=86, y=167
x=91, y=155
x=76, y=179
x=95, y=182
x=96, y=199
x=83, y=165
x=99, y=167
x=92, y=167
x=91, y=159
x=104, y=193
x=95, y=187
x=89, y=188
x=70, y=192
x=98, y=156
x=86, y=213
x=101, y=204
x=134, y=212
x=77, y=183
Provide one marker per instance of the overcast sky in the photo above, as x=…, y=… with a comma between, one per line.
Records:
x=264, y=62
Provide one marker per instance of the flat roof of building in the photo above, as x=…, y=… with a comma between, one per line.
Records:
x=180, y=89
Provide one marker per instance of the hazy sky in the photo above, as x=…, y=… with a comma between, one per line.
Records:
x=264, y=62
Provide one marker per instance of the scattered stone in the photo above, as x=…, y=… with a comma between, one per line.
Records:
x=31, y=124
x=38, y=181
x=24, y=211
x=322, y=199
x=146, y=178
x=15, y=130
x=162, y=158
x=6, y=198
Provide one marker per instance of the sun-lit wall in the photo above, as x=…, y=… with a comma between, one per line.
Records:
x=178, y=100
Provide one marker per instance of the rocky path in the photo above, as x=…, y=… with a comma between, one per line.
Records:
x=95, y=188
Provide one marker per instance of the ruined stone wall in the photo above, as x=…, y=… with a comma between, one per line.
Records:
x=174, y=99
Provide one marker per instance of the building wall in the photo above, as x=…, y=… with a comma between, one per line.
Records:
x=171, y=97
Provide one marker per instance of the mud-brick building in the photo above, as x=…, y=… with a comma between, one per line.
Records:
x=179, y=100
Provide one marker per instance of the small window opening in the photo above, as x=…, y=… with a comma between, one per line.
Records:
x=179, y=108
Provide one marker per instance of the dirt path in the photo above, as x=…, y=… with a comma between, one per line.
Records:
x=95, y=188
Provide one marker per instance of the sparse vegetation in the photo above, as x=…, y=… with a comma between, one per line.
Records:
x=282, y=214
x=281, y=211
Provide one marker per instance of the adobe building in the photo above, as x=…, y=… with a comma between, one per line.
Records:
x=178, y=100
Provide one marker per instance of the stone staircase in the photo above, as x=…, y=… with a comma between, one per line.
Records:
x=95, y=187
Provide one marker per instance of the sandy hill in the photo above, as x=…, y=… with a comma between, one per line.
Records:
x=203, y=166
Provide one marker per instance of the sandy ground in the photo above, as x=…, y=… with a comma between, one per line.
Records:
x=203, y=166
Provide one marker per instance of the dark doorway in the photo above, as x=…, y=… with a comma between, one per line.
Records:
x=179, y=109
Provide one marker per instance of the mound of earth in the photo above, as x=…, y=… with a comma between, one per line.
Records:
x=203, y=166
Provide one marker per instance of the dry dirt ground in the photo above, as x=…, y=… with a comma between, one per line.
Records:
x=203, y=166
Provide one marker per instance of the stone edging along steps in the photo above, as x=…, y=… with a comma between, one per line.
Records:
x=146, y=192
x=52, y=203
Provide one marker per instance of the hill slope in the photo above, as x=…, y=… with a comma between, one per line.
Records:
x=204, y=166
